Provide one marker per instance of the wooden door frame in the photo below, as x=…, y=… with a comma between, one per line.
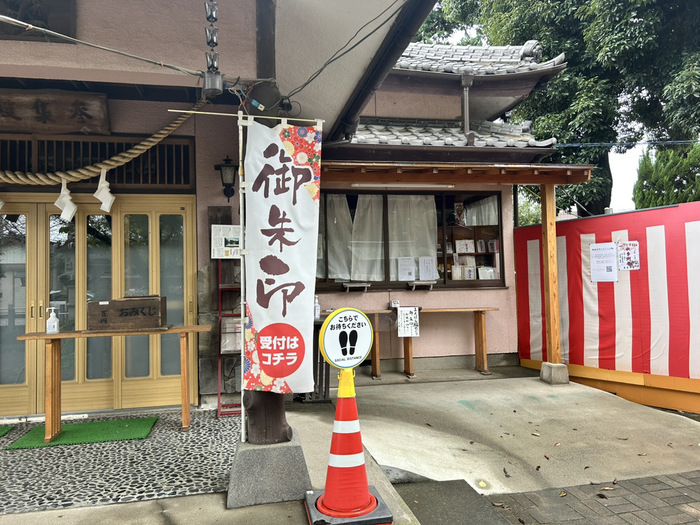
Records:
x=39, y=206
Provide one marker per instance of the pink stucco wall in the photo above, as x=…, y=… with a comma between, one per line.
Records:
x=215, y=138
x=449, y=334
x=169, y=31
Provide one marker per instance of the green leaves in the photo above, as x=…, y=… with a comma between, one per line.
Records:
x=633, y=71
x=670, y=177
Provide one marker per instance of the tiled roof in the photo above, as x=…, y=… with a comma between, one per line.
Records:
x=476, y=60
x=485, y=134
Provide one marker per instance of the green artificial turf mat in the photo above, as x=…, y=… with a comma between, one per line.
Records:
x=5, y=430
x=89, y=432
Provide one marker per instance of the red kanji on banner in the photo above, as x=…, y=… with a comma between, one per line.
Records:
x=281, y=349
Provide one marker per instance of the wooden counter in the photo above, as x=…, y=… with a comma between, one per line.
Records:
x=53, y=367
x=479, y=338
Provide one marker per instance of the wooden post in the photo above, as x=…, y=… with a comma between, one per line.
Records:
x=482, y=364
x=549, y=270
x=52, y=394
x=376, y=368
x=185, y=381
x=267, y=420
x=408, y=357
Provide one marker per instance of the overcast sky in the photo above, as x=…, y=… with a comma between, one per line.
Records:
x=624, y=172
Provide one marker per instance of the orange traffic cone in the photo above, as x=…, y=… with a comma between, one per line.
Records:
x=347, y=497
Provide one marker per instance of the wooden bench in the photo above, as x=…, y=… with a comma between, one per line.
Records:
x=52, y=370
x=479, y=339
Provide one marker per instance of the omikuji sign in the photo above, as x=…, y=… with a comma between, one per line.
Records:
x=282, y=170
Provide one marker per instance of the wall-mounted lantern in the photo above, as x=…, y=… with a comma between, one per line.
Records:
x=228, y=172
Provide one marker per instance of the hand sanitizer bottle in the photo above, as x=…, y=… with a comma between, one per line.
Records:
x=317, y=308
x=52, y=321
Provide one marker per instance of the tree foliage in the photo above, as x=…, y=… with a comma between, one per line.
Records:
x=633, y=71
x=529, y=210
x=670, y=177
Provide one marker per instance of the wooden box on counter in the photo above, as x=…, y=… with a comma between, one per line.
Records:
x=147, y=311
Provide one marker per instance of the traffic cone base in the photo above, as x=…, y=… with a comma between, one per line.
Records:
x=381, y=515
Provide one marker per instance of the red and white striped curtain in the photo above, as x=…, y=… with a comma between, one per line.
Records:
x=648, y=321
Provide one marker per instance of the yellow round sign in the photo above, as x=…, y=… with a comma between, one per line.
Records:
x=346, y=338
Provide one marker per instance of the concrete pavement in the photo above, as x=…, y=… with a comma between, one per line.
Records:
x=516, y=441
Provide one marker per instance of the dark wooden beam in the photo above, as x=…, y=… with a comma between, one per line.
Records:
x=394, y=174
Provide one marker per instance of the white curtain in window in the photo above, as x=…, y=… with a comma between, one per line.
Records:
x=338, y=236
x=412, y=229
x=483, y=212
x=368, y=239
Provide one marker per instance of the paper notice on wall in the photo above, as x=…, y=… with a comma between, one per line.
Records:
x=603, y=262
x=427, y=268
x=408, y=321
x=407, y=269
x=225, y=241
x=628, y=255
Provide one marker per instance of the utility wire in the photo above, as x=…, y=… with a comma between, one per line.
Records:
x=628, y=144
x=67, y=38
x=538, y=197
x=337, y=55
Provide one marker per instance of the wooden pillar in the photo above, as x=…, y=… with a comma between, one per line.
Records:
x=549, y=270
x=408, y=357
x=376, y=366
x=52, y=393
x=482, y=364
x=185, y=381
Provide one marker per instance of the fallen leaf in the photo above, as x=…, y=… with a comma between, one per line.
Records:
x=622, y=439
x=643, y=454
x=482, y=484
x=563, y=493
x=471, y=442
x=670, y=445
x=584, y=468
x=514, y=411
x=506, y=472
x=428, y=424
x=538, y=468
x=615, y=481
x=607, y=488
x=536, y=434
x=546, y=456
x=602, y=496
x=557, y=444
x=520, y=520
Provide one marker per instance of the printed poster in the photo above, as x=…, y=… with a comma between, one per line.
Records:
x=225, y=241
x=603, y=262
x=407, y=269
x=628, y=255
x=282, y=168
x=408, y=321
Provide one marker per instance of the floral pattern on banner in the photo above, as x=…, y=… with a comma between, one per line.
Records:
x=254, y=377
x=304, y=146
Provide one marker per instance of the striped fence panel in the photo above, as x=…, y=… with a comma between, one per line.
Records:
x=647, y=322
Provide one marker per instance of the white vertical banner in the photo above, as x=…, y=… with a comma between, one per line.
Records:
x=282, y=172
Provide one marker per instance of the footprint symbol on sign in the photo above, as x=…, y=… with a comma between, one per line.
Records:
x=344, y=338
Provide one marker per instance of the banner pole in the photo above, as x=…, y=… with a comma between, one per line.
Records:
x=240, y=115
x=244, y=311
